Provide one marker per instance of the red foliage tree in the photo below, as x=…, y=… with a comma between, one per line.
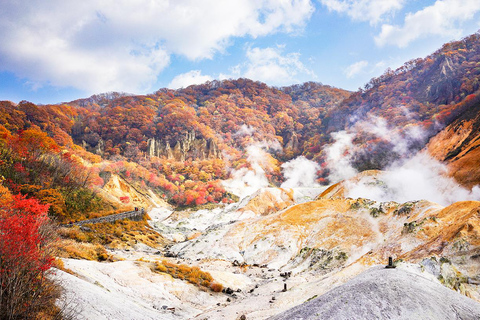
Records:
x=125, y=199
x=25, y=258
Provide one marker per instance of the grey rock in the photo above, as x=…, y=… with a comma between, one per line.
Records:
x=381, y=293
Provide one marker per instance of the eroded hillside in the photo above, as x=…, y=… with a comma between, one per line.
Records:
x=280, y=247
x=458, y=144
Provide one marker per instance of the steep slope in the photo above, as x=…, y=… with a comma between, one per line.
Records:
x=411, y=104
x=457, y=145
x=421, y=89
x=381, y=293
x=117, y=189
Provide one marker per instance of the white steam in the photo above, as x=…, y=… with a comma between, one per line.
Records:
x=411, y=177
x=246, y=181
x=340, y=154
x=245, y=130
x=300, y=172
x=401, y=140
x=417, y=178
x=339, y=157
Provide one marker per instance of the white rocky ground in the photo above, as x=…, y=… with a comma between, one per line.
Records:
x=221, y=241
x=381, y=293
x=130, y=290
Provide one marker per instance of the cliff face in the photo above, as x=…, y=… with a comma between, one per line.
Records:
x=458, y=146
x=190, y=147
x=293, y=144
x=440, y=82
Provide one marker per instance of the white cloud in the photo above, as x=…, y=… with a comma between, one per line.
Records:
x=364, y=10
x=273, y=67
x=355, y=68
x=185, y=79
x=443, y=18
x=124, y=45
x=380, y=65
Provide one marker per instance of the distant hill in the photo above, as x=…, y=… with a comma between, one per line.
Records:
x=216, y=110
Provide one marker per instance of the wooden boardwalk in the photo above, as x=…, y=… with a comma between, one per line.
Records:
x=135, y=215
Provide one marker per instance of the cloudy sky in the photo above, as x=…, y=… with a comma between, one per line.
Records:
x=59, y=50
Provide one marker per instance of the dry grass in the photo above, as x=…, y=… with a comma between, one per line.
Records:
x=191, y=274
x=74, y=233
x=125, y=233
x=58, y=263
x=90, y=245
x=68, y=248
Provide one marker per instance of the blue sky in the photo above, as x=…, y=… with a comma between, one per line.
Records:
x=60, y=50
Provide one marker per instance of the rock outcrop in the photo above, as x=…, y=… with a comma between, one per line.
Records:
x=293, y=144
x=100, y=148
x=189, y=147
x=441, y=81
x=158, y=149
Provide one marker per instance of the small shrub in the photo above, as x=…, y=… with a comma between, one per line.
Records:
x=191, y=274
x=404, y=209
x=356, y=205
x=102, y=256
x=375, y=212
x=410, y=227
x=160, y=268
x=58, y=263
x=26, y=255
x=216, y=287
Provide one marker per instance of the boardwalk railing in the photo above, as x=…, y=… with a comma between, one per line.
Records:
x=135, y=215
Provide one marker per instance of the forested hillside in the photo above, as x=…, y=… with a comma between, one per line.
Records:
x=217, y=110
x=183, y=143
x=417, y=100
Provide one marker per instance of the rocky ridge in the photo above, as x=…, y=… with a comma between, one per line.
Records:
x=190, y=147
